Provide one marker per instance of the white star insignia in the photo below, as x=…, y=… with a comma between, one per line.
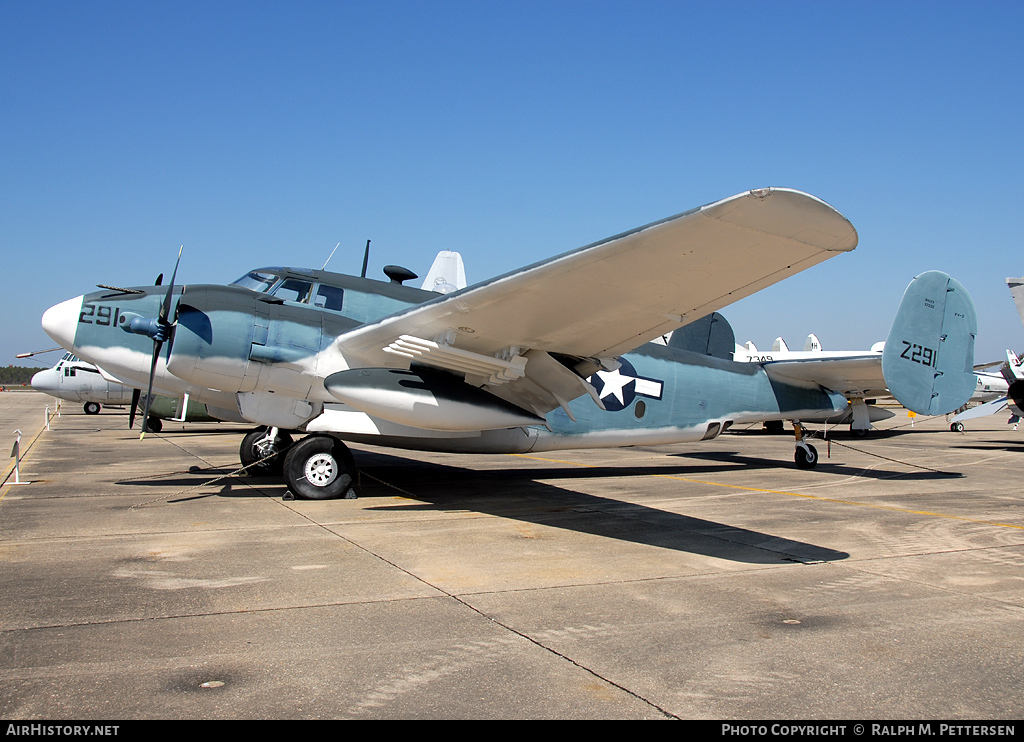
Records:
x=613, y=384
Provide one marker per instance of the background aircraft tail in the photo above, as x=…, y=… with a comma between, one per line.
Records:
x=1017, y=292
x=928, y=361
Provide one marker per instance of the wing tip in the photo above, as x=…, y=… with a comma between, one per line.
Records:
x=788, y=212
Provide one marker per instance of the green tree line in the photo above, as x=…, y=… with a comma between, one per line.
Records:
x=16, y=375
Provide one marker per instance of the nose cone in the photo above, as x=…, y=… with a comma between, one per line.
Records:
x=46, y=381
x=61, y=322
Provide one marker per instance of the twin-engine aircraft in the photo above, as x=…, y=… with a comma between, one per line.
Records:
x=556, y=355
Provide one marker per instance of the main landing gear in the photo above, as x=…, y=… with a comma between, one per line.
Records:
x=262, y=451
x=318, y=467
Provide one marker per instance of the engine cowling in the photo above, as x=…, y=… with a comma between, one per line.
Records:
x=213, y=338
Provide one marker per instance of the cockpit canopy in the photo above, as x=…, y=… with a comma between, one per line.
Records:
x=361, y=299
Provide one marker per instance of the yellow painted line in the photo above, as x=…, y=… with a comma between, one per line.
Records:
x=796, y=494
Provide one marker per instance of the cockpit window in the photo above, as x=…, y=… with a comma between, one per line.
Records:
x=257, y=281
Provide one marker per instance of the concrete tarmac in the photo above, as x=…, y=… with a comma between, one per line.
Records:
x=141, y=580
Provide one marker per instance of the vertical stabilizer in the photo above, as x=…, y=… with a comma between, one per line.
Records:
x=1017, y=292
x=929, y=355
x=446, y=274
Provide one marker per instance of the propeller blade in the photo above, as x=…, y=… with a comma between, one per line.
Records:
x=136, y=393
x=166, y=308
x=149, y=391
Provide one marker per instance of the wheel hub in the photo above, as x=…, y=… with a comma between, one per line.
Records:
x=321, y=469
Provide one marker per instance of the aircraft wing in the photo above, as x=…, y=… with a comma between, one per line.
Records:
x=852, y=376
x=612, y=296
x=518, y=334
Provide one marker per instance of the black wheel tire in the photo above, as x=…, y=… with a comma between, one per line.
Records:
x=154, y=425
x=249, y=454
x=806, y=459
x=774, y=427
x=92, y=408
x=957, y=427
x=319, y=467
x=860, y=432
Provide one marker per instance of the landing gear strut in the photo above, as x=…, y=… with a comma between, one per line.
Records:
x=806, y=455
x=262, y=451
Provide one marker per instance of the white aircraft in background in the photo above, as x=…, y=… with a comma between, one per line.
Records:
x=1010, y=378
x=74, y=380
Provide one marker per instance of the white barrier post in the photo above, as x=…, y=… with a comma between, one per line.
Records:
x=46, y=417
x=16, y=455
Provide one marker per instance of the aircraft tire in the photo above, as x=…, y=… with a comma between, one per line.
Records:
x=153, y=425
x=249, y=454
x=92, y=408
x=319, y=467
x=957, y=427
x=806, y=459
x=774, y=427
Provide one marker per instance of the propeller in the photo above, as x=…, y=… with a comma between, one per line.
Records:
x=160, y=330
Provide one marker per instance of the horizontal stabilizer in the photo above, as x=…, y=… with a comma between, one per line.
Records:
x=982, y=410
x=929, y=355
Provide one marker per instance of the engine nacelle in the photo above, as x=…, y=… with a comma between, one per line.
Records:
x=213, y=338
x=1016, y=393
x=229, y=338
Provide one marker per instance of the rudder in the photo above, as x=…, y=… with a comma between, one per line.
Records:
x=929, y=355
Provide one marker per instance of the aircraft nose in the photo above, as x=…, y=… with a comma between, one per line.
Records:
x=61, y=321
x=45, y=381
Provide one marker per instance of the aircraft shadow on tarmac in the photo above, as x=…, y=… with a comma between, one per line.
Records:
x=1009, y=446
x=739, y=461
x=526, y=494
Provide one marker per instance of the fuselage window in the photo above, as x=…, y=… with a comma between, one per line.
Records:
x=329, y=297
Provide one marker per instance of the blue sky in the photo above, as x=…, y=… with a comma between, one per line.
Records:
x=263, y=133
